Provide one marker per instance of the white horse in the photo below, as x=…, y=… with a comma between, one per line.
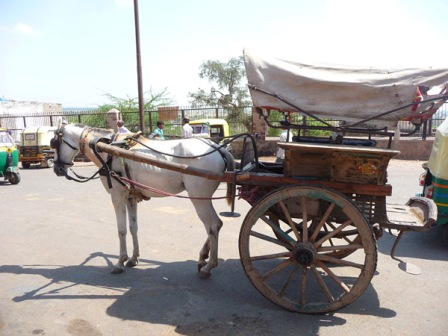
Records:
x=71, y=139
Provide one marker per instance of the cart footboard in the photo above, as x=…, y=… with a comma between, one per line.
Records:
x=418, y=214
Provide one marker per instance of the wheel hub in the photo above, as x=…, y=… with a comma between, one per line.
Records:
x=304, y=254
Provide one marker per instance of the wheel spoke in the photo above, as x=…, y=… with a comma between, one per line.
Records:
x=271, y=256
x=339, y=247
x=277, y=269
x=333, y=276
x=339, y=261
x=344, y=234
x=269, y=239
x=303, y=288
x=291, y=277
x=333, y=233
x=322, y=221
x=322, y=283
x=305, y=219
x=278, y=230
x=289, y=219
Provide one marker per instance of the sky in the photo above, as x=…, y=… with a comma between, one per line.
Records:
x=74, y=52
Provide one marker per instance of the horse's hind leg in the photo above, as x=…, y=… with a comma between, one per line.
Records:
x=204, y=254
x=133, y=228
x=213, y=224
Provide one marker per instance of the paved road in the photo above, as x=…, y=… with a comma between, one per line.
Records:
x=58, y=241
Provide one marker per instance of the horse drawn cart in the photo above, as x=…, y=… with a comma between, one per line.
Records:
x=308, y=243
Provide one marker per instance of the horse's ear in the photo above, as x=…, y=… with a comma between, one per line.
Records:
x=61, y=121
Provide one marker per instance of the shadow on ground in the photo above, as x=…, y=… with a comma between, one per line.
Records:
x=172, y=294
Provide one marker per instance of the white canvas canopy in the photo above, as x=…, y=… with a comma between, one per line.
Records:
x=343, y=92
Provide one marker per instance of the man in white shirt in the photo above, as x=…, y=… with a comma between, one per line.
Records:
x=285, y=136
x=187, y=130
x=121, y=127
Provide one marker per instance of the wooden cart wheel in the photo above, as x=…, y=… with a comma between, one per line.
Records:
x=301, y=271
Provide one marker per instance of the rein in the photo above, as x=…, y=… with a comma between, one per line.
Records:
x=157, y=191
x=80, y=178
x=215, y=149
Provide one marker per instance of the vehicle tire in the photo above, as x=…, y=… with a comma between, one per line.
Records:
x=302, y=272
x=445, y=234
x=26, y=165
x=50, y=162
x=14, y=178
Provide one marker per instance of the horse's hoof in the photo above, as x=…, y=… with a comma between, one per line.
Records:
x=132, y=263
x=200, y=265
x=204, y=275
x=117, y=270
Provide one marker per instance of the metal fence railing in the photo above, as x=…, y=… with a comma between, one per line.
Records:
x=239, y=121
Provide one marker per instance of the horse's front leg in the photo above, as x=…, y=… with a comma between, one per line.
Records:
x=133, y=228
x=119, y=203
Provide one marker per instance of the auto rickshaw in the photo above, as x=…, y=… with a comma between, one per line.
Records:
x=435, y=178
x=35, y=146
x=9, y=157
x=215, y=129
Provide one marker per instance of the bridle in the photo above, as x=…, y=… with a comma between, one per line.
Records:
x=56, y=142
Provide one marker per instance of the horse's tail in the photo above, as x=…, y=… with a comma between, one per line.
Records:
x=230, y=161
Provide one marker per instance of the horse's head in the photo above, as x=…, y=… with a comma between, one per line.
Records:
x=66, y=144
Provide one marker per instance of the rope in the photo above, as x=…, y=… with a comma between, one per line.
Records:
x=142, y=186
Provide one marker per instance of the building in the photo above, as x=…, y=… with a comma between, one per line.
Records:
x=13, y=113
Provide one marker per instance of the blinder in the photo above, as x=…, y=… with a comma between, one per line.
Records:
x=56, y=142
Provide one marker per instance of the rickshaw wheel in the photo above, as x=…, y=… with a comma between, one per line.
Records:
x=301, y=271
x=50, y=162
x=14, y=178
x=26, y=165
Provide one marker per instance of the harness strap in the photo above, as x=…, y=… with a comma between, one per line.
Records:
x=131, y=188
x=106, y=166
x=106, y=170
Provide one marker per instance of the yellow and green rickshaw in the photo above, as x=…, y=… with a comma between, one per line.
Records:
x=9, y=157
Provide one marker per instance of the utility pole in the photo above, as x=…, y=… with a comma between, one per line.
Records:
x=141, y=103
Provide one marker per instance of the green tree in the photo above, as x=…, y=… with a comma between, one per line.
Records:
x=129, y=107
x=227, y=89
x=151, y=99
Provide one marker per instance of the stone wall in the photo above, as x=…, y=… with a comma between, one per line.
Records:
x=411, y=148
